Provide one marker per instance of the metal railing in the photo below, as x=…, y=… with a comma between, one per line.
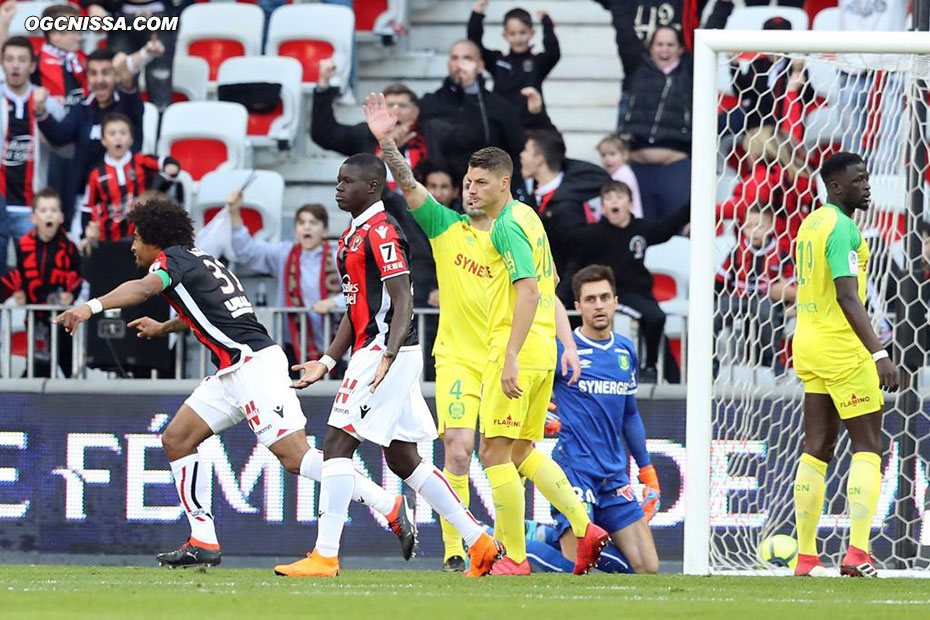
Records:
x=190, y=358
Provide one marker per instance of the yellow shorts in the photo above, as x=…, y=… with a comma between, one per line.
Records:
x=458, y=394
x=854, y=392
x=520, y=418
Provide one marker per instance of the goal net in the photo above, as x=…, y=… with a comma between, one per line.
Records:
x=778, y=116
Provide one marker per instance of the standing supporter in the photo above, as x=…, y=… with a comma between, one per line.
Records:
x=111, y=84
x=24, y=166
x=158, y=66
x=305, y=269
x=645, y=17
x=61, y=64
x=122, y=177
x=620, y=241
x=48, y=271
x=478, y=117
x=418, y=140
x=746, y=280
x=615, y=159
x=566, y=194
x=520, y=68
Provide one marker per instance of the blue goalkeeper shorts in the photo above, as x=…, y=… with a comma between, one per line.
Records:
x=610, y=503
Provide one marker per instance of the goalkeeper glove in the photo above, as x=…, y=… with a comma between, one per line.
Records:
x=652, y=494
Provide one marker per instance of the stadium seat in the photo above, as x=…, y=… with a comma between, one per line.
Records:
x=278, y=125
x=149, y=127
x=261, y=207
x=205, y=136
x=18, y=24
x=827, y=19
x=669, y=267
x=375, y=19
x=189, y=77
x=217, y=31
x=311, y=33
x=752, y=17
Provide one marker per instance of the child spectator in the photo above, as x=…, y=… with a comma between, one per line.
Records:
x=520, y=68
x=747, y=281
x=48, y=271
x=61, y=66
x=305, y=269
x=123, y=176
x=615, y=157
x=620, y=241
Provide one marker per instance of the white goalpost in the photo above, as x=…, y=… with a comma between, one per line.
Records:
x=865, y=92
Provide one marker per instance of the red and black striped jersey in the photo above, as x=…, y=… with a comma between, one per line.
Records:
x=62, y=73
x=371, y=250
x=209, y=298
x=20, y=146
x=113, y=187
x=44, y=268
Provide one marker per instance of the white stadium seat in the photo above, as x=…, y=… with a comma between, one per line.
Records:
x=311, y=33
x=752, y=17
x=189, y=78
x=24, y=10
x=668, y=262
x=827, y=19
x=205, y=136
x=149, y=128
x=261, y=206
x=279, y=125
x=217, y=31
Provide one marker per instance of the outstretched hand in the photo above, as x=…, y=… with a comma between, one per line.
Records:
x=381, y=121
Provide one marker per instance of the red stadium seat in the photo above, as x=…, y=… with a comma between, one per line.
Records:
x=199, y=155
x=261, y=203
x=251, y=218
x=311, y=33
x=215, y=51
x=309, y=53
x=218, y=31
x=204, y=136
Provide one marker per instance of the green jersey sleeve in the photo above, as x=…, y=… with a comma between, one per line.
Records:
x=512, y=244
x=435, y=218
x=842, y=249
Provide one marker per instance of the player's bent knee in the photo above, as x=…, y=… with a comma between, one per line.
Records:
x=458, y=461
x=177, y=443
x=494, y=451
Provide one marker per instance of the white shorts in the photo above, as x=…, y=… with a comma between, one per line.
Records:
x=396, y=411
x=258, y=391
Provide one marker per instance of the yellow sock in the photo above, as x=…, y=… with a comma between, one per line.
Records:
x=550, y=479
x=862, y=489
x=510, y=506
x=809, y=488
x=451, y=539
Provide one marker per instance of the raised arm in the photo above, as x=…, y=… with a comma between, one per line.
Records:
x=382, y=124
x=551, y=51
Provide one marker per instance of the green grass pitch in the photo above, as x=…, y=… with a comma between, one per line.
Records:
x=92, y=592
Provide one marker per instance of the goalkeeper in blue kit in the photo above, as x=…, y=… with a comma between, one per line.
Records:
x=598, y=414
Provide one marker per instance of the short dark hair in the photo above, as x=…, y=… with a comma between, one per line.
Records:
x=19, y=42
x=616, y=186
x=550, y=144
x=48, y=192
x=492, y=159
x=427, y=167
x=163, y=223
x=115, y=117
x=104, y=55
x=59, y=10
x=592, y=273
x=521, y=15
x=400, y=89
x=369, y=164
x=317, y=210
x=837, y=163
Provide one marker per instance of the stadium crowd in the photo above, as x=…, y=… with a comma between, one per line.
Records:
x=74, y=167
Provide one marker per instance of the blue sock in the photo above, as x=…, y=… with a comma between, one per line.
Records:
x=546, y=558
x=613, y=561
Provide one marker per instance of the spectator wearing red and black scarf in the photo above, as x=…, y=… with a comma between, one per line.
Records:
x=48, y=271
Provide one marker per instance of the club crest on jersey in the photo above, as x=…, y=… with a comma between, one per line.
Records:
x=382, y=231
x=356, y=243
x=624, y=360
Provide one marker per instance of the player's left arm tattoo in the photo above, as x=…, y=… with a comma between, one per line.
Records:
x=395, y=160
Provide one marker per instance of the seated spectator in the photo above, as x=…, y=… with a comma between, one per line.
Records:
x=305, y=269
x=620, y=241
x=752, y=278
x=565, y=193
x=110, y=80
x=615, y=159
x=657, y=121
x=115, y=184
x=158, y=66
x=520, y=68
x=48, y=271
x=477, y=117
x=24, y=166
x=417, y=140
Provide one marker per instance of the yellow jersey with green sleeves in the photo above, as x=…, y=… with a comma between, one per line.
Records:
x=461, y=254
x=828, y=246
x=521, y=251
